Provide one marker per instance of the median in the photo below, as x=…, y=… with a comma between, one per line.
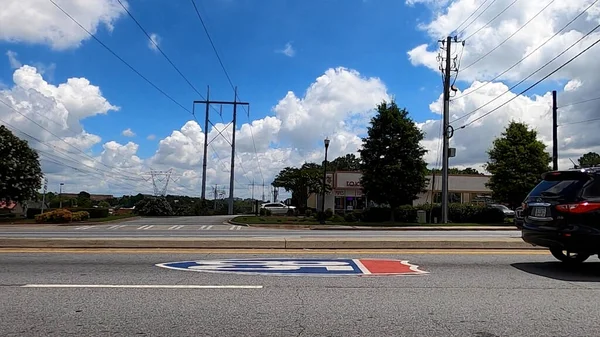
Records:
x=309, y=223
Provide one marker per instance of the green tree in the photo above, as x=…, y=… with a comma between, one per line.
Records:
x=104, y=204
x=20, y=171
x=301, y=182
x=158, y=206
x=393, y=169
x=348, y=162
x=454, y=170
x=589, y=159
x=84, y=200
x=516, y=162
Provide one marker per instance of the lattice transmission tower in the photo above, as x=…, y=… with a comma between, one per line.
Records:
x=160, y=181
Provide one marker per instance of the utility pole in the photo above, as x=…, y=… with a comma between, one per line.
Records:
x=253, y=189
x=263, y=194
x=216, y=196
x=554, y=132
x=204, y=157
x=445, y=126
x=235, y=103
x=447, y=69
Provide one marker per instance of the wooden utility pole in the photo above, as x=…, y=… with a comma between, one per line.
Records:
x=554, y=132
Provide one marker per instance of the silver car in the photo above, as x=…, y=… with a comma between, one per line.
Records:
x=278, y=208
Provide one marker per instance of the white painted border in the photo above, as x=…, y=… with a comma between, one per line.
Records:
x=143, y=286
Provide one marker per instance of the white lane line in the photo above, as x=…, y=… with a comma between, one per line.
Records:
x=116, y=226
x=142, y=286
x=175, y=227
x=83, y=227
x=235, y=228
x=209, y=227
x=202, y=227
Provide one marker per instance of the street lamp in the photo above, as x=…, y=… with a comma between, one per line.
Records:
x=60, y=195
x=326, y=142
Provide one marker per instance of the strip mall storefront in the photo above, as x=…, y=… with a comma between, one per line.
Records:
x=346, y=194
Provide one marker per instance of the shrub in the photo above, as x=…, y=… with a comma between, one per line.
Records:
x=95, y=213
x=308, y=213
x=350, y=217
x=337, y=218
x=32, y=212
x=457, y=213
x=328, y=213
x=265, y=212
x=80, y=216
x=154, y=207
x=55, y=216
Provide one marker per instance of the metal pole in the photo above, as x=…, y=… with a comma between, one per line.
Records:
x=232, y=177
x=554, y=132
x=60, y=195
x=445, y=131
x=324, y=182
x=204, y=159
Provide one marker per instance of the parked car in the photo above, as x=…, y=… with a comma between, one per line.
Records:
x=508, y=213
x=278, y=208
x=562, y=213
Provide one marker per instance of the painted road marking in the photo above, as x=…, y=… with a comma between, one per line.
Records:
x=145, y=227
x=235, y=228
x=116, y=226
x=300, y=267
x=143, y=286
x=82, y=228
x=176, y=227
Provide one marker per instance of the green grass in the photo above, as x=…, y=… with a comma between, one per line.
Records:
x=292, y=220
x=111, y=218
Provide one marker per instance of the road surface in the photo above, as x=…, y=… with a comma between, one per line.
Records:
x=474, y=294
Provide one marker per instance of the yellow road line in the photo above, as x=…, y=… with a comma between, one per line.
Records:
x=276, y=251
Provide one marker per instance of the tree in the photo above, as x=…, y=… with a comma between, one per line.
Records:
x=393, y=169
x=104, y=204
x=454, y=170
x=348, y=162
x=158, y=206
x=20, y=171
x=301, y=182
x=589, y=159
x=516, y=162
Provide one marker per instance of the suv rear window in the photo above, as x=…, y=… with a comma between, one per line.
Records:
x=567, y=185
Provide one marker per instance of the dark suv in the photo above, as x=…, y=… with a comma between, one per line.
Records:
x=562, y=213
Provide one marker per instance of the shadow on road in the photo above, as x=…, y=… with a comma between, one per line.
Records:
x=586, y=272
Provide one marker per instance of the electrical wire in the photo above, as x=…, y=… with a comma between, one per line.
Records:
x=510, y=36
x=477, y=17
x=228, y=79
x=473, y=13
x=536, y=83
x=579, y=102
x=523, y=80
x=492, y=20
x=531, y=53
x=581, y=122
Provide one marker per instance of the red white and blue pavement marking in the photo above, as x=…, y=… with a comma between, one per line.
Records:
x=300, y=267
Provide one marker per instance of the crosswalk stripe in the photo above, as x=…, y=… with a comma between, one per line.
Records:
x=83, y=227
x=235, y=228
x=202, y=227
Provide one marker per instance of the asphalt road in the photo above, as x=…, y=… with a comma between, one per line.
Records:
x=464, y=294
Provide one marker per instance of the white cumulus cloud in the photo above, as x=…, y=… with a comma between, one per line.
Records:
x=128, y=133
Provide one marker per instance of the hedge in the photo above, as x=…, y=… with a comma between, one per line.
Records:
x=55, y=216
x=94, y=213
x=457, y=213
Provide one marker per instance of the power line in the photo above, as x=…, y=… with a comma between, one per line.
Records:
x=477, y=17
x=494, y=18
x=467, y=19
x=510, y=36
x=581, y=122
x=536, y=83
x=531, y=53
x=523, y=80
x=228, y=78
x=579, y=102
x=53, y=134
x=120, y=59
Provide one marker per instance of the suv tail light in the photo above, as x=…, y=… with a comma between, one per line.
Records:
x=582, y=207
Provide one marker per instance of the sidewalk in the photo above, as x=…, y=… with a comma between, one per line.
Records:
x=376, y=228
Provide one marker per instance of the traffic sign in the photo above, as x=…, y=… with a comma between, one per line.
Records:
x=300, y=267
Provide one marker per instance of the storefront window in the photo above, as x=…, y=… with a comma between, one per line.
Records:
x=339, y=203
x=453, y=198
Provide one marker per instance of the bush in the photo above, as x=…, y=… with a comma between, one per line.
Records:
x=154, y=207
x=55, y=216
x=337, y=218
x=308, y=213
x=95, y=213
x=328, y=213
x=80, y=216
x=265, y=212
x=32, y=212
x=406, y=214
x=350, y=217
x=457, y=213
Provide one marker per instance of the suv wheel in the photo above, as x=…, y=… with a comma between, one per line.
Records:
x=569, y=257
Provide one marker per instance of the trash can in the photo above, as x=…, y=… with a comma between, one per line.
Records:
x=421, y=216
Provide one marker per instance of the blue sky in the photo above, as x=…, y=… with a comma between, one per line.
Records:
x=369, y=36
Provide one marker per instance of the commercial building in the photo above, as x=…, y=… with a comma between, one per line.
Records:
x=347, y=195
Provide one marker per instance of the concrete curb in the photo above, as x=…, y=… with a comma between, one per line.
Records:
x=376, y=228
x=267, y=243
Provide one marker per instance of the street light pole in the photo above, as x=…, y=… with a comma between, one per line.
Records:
x=326, y=142
x=60, y=195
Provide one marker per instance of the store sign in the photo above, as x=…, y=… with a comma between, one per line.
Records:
x=352, y=183
x=348, y=180
x=340, y=193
